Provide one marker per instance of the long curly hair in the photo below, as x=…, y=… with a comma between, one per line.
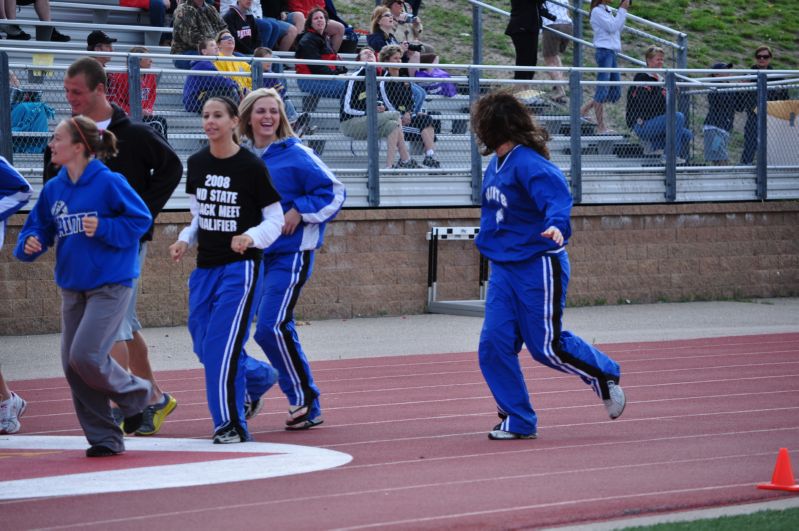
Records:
x=500, y=117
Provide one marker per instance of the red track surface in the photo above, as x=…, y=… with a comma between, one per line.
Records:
x=703, y=424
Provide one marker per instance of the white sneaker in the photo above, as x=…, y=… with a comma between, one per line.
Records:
x=615, y=404
x=10, y=412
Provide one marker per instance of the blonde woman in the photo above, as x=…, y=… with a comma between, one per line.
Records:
x=311, y=196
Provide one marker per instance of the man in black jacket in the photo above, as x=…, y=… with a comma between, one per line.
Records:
x=154, y=170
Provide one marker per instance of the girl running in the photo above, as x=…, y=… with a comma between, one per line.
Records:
x=235, y=213
x=310, y=196
x=95, y=219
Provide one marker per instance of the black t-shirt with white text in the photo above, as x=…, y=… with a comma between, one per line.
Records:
x=231, y=194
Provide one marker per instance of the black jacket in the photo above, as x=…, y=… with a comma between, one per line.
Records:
x=314, y=46
x=525, y=17
x=722, y=106
x=149, y=164
x=645, y=102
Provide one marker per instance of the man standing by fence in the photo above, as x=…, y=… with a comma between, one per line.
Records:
x=154, y=170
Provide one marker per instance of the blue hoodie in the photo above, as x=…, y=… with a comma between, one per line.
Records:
x=14, y=193
x=197, y=89
x=111, y=255
x=306, y=184
x=522, y=197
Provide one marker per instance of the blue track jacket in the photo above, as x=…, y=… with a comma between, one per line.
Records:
x=306, y=184
x=521, y=199
x=111, y=255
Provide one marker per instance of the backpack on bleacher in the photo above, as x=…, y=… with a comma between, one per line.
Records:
x=30, y=117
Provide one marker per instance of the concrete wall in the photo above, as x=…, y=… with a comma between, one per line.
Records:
x=375, y=262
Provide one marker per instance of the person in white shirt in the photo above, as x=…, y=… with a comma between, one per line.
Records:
x=607, y=28
x=555, y=44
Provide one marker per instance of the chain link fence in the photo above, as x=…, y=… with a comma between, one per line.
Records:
x=687, y=135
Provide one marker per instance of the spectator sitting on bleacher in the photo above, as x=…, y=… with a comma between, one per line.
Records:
x=314, y=45
x=194, y=21
x=334, y=30
x=298, y=121
x=8, y=10
x=277, y=9
x=242, y=25
x=99, y=41
x=271, y=32
x=383, y=27
x=398, y=96
x=226, y=44
x=646, y=109
x=382, y=35
x=409, y=29
x=119, y=92
x=157, y=9
x=197, y=89
x=354, y=117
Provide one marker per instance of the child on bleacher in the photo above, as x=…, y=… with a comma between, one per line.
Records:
x=197, y=89
x=227, y=45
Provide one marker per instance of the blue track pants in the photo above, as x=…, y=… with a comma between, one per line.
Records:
x=284, y=275
x=524, y=305
x=221, y=305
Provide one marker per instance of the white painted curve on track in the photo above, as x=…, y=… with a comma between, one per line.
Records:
x=278, y=460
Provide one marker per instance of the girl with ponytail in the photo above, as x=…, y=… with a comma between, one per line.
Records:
x=95, y=220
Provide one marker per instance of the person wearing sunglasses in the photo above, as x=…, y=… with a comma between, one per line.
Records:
x=763, y=55
x=227, y=45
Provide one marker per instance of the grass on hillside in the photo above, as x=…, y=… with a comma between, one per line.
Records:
x=787, y=520
x=718, y=30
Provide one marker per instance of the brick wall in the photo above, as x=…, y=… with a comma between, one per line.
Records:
x=375, y=262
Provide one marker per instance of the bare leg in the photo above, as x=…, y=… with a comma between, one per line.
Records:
x=5, y=392
x=42, y=8
x=287, y=41
x=335, y=30
x=133, y=356
x=403, y=147
x=587, y=107
x=555, y=75
x=393, y=140
x=298, y=19
x=599, y=109
x=138, y=356
x=428, y=138
x=120, y=353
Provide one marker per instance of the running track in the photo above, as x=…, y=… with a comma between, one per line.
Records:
x=704, y=421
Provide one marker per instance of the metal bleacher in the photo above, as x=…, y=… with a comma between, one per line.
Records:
x=614, y=168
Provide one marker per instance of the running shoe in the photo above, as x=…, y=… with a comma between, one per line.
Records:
x=133, y=422
x=430, y=162
x=10, y=412
x=252, y=407
x=227, y=436
x=154, y=415
x=300, y=418
x=498, y=434
x=98, y=450
x=615, y=404
x=406, y=164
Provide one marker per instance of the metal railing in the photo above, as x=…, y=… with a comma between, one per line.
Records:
x=679, y=46
x=601, y=168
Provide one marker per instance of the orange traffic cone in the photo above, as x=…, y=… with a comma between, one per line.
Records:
x=782, y=479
